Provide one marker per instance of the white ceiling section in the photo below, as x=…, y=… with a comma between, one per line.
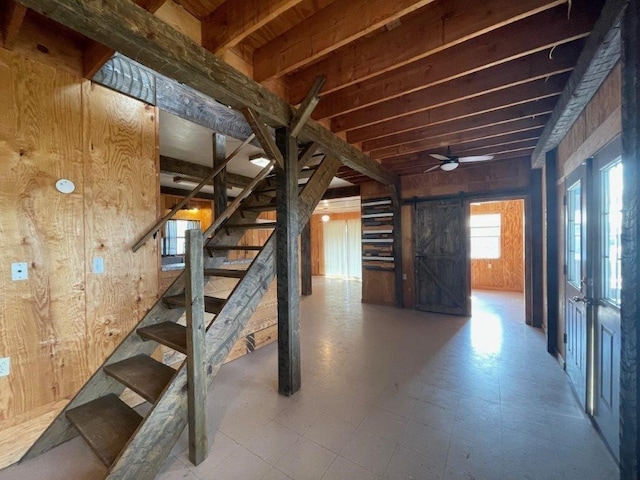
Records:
x=193, y=143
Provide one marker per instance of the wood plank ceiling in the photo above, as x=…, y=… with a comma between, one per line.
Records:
x=405, y=78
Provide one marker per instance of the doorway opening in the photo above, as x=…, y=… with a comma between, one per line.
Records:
x=497, y=253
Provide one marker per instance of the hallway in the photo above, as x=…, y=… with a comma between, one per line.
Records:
x=388, y=394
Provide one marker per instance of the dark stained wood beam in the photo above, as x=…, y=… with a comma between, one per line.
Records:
x=336, y=25
x=287, y=263
x=304, y=111
x=630, y=307
x=121, y=25
x=235, y=20
x=439, y=25
x=341, y=192
x=531, y=109
x=523, y=70
x=263, y=135
x=183, y=193
x=95, y=54
x=174, y=166
x=11, y=18
x=306, y=275
x=460, y=138
x=525, y=93
x=220, y=180
x=551, y=242
x=537, y=33
x=599, y=56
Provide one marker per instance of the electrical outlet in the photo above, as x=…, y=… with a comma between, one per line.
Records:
x=19, y=271
x=98, y=265
x=5, y=366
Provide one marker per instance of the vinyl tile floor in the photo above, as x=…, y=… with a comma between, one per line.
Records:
x=386, y=394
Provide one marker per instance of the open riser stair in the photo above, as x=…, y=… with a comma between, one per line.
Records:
x=133, y=446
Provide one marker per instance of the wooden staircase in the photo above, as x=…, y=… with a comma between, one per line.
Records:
x=134, y=446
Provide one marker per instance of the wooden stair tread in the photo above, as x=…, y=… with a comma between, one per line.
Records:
x=142, y=374
x=224, y=272
x=107, y=424
x=167, y=333
x=260, y=208
x=211, y=304
x=256, y=225
x=233, y=247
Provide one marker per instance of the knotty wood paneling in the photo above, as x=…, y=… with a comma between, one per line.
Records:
x=507, y=272
x=58, y=325
x=121, y=201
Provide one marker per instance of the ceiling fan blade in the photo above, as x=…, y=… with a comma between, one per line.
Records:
x=437, y=156
x=477, y=158
x=435, y=167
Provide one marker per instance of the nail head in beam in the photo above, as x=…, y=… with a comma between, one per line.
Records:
x=307, y=106
x=263, y=136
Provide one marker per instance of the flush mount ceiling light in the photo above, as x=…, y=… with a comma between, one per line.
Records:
x=448, y=166
x=260, y=160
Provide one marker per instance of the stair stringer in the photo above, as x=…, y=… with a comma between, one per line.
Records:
x=151, y=444
x=99, y=384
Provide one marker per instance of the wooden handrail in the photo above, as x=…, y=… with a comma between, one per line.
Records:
x=160, y=223
x=231, y=209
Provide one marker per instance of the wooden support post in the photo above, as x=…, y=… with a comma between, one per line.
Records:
x=536, y=249
x=552, y=277
x=220, y=180
x=630, y=308
x=287, y=264
x=396, y=201
x=305, y=256
x=306, y=155
x=196, y=349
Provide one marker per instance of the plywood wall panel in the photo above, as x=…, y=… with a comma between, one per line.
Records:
x=121, y=199
x=42, y=319
x=507, y=272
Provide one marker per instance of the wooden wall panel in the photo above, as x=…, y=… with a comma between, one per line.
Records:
x=121, y=200
x=317, y=238
x=200, y=209
x=596, y=126
x=507, y=272
x=58, y=325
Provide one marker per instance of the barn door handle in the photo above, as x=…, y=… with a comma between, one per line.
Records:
x=586, y=300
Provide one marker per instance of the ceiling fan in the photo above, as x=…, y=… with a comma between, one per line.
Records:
x=450, y=162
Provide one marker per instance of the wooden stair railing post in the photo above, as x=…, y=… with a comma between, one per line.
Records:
x=196, y=349
x=205, y=181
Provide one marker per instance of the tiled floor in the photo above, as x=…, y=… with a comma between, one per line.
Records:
x=387, y=394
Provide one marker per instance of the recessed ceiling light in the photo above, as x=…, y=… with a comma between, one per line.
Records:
x=260, y=160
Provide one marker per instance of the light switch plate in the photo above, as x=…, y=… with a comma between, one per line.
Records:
x=19, y=271
x=98, y=265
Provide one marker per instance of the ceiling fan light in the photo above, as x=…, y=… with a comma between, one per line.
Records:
x=448, y=166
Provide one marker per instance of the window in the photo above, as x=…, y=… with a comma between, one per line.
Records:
x=485, y=236
x=611, y=222
x=173, y=242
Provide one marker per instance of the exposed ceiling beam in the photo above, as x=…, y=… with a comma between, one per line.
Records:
x=235, y=20
x=174, y=166
x=536, y=33
x=11, y=17
x=95, y=54
x=336, y=25
x=537, y=90
x=136, y=33
x=532, y=109
x=510, y=74
x=458, y=138
x=598, y=58
x=179, y=192
x=342, y=192
x=436, y=145
x=438, y=26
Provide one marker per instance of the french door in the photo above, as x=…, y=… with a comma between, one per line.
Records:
x=592, y=287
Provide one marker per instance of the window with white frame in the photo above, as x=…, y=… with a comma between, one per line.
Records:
x=486, y=230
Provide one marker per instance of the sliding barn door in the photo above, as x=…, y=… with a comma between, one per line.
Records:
x=441, y=265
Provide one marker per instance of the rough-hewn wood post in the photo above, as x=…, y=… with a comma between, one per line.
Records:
x=551, y=211
x=219, y=181
x=305, y=256
x=196, y=351
x=287, y=264
x=630, y=312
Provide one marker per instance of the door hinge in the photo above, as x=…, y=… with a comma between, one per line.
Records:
x=564, y=338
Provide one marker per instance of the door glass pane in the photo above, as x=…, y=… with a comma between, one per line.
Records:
x=611, y=230
x=574, y=235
